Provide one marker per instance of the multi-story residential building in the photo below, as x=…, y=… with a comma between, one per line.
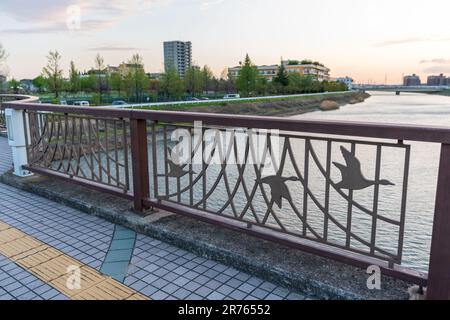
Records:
x=268, y=72
x=155, y=75
x=316, y=70
x=178, y=55
x=347, y=80
x=412, y=80
x=439, y=80
x=28, y=86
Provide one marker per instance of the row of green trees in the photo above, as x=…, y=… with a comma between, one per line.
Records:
x=250, y=83
x=133, y=82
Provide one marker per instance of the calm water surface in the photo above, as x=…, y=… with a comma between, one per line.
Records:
x=410, y=109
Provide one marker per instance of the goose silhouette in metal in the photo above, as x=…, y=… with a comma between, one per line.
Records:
x=176, y=170
x=352, y=176
x=278, y=188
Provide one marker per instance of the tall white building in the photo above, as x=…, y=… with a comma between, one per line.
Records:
x=347, y=80
x=178, y=55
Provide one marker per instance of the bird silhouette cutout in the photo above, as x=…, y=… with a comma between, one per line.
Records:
x=176, y=170
x=278, y=188
x=352, y=176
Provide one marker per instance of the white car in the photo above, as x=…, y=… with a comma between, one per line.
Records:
x=81, y=103
x=232, y=96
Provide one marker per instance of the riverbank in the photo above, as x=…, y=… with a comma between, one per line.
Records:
x=444, y=93
x=277, y=107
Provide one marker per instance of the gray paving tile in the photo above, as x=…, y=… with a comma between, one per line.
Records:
x=203, y=291
x=181, y=293
x=238, y=295
x=215, y=296
x=170, y=288
x=247, y=288
x=260, y=294
x=225, y=289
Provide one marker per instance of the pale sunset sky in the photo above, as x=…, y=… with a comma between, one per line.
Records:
x=367, y=40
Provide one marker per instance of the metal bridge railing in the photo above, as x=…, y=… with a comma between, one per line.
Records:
x=312, y=185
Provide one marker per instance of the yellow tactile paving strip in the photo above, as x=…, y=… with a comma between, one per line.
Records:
x=51, y=266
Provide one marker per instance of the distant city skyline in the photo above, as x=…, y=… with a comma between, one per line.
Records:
x=368, y=41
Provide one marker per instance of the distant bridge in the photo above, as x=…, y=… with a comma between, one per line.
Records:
x=397, y=88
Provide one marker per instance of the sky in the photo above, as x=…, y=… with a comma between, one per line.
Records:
x=371, y=41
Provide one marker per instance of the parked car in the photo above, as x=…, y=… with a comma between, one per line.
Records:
x=81, y=103
x=204, y=98
x=232, y=96
x=119, y=103
x=63, y=102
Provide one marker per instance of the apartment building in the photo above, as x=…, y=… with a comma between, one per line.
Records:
x=412, y=80
x=178, y=55
x=314, y=69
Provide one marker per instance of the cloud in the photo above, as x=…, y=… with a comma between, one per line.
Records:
x=114, y=48
x=436, y=60
x=409, y=41
x=437, y=69
x=206, y=4
x=48, y=16
x=88, y=25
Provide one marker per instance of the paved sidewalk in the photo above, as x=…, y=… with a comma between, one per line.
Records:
x=149, y=266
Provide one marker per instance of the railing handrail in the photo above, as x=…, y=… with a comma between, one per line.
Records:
x=434, y=134
x=20, y=98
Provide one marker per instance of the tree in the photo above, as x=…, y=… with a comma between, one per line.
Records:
x=208, y=78
x=100, y=76
x=282, y=77
x=74, y=78
x=246, y=79
x=261, y=85
x=226, y=82
x=87, y=83
x=117, y=82
x=136, y=80
x=2, y=53
x=14, y=85
x=193, y=80
x=171, y=84
x=40, y=83
x=53, y=72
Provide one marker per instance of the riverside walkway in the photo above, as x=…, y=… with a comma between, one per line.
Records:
x=39, y=238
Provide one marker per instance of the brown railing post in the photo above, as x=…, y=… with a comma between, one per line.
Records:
x=439, y=269
x=139, y=156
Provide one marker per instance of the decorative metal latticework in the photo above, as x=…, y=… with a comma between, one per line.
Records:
x=2, y=111
x=328, y=190
x=93, y=149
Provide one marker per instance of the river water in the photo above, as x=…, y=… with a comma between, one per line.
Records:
x=410, y=109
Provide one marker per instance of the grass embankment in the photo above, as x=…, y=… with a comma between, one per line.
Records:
x=287, y=106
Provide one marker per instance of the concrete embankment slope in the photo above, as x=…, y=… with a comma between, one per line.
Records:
x=279, y=107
